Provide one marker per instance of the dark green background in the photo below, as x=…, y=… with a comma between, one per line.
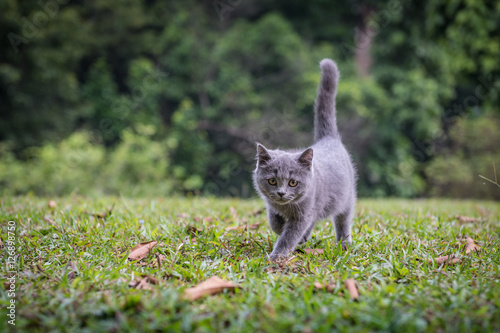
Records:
x=145, y=97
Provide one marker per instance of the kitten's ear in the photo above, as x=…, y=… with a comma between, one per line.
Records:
x=262, y=155
x=306, y=159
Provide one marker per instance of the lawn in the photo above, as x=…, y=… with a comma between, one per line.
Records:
x=73, y=274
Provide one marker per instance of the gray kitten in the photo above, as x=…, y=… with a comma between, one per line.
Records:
x=301, y=187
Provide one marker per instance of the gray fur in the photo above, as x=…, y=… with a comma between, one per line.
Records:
x=325, y=174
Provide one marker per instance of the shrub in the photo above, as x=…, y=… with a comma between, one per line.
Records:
x=137, y=165
x=475, y=148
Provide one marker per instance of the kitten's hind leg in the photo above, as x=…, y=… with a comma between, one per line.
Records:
x=342, y=224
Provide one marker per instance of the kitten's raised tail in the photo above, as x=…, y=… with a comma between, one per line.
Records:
x=325, y=120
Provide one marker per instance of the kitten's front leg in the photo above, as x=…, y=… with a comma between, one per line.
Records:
x=293, y=232
x=307, y=234
x=276, y=221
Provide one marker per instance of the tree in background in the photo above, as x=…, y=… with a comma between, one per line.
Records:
x=203, y=81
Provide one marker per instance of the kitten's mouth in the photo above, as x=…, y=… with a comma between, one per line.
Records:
x=282, y=201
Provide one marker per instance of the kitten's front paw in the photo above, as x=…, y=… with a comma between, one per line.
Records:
x=277, y=256
x=345, y=245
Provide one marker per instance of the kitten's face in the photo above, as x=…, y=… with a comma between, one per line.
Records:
x=281, y=176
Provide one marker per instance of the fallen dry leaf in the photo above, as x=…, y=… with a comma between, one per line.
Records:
x=52, y=204
x=328, y=287
x=350, y=284
x=471, y=246
x=211, y=286
x=244, y=227
x=466, y=219
x=450, y=260
x=141, y=250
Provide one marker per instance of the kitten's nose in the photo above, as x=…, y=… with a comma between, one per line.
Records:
x=281, y=194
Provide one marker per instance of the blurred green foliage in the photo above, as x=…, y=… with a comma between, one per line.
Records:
x=135, y=166
x=154, y=97
x=455, y=170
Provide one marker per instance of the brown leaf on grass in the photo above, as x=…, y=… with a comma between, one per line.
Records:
x=253, y=226
x=193, y=231
x=52, y=204
x=466, y=219
x=350, y=284
x=327, y=286
x=449, y=260
x=471, y=246
x=141, y=250
x=211, y=286
x=314, y=251
x=311, y=251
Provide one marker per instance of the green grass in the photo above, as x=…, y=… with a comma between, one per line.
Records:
x=400, y=291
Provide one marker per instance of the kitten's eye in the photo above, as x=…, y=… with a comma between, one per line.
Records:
x=293, y=182
x=272, y=181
